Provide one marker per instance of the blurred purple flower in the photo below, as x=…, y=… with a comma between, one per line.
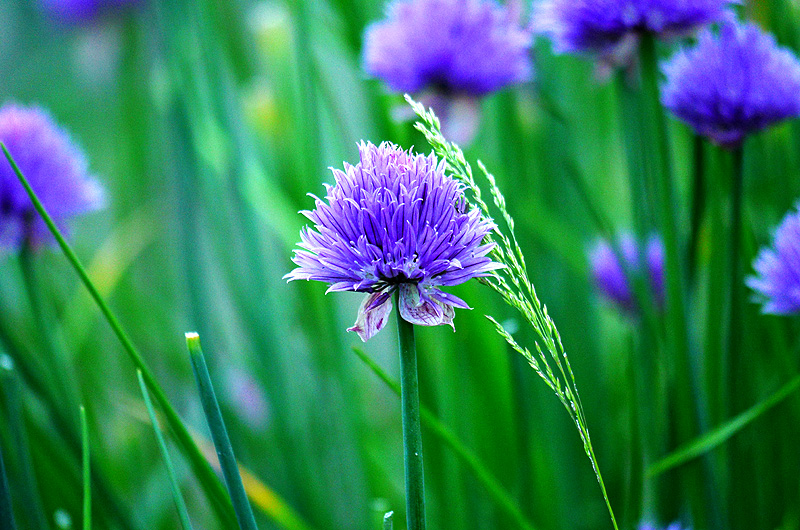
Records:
x=458, y=47
x=79, y=11
x=395, y=222
x=609, y=273
x=777, y=283
x=733, y=83
x=55, y=168
x=449, y=53
x=650, y=526
x=247, y=397
x=612, y=28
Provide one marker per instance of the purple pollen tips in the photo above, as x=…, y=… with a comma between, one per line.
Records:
x=55, y=168
x=395, y=222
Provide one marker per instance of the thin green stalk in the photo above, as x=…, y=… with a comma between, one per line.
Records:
x=183, y=513
x=208, y=480
x=721, y=434
x=736, y=285
x=412, y=431
x=227, y=460
x=449, y=438
x=6, y=513
x=28, y=488
x=48, y=328
x=87, y=472
x=388, y=523
x=698, y=199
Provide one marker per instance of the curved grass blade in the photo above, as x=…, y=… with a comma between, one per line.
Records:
x=721, y=434
x=183, y=513
x=219, y=434
x=6, y=512
x=208, y=480
x=451, y=440
x=87, y=472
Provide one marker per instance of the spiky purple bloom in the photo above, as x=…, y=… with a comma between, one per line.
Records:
x=395, y=222
x=777, y=279
x=78, y=11
x=604, y=26
x=456, y=47
x=609, y=272
x=54, y=166
x=732, y=83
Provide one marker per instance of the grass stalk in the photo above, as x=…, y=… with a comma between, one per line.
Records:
x=180, y=505
x=412, y=429
x=6, y=512
x=449, y=438
x=724, y=432
x=87, y=472
x=388, y=521
x=205, y=475
x=736, y=285
x=219, y=434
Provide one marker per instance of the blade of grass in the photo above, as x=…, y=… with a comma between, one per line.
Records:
x=219, y=434
x=28, y=488
x=183, y=513
x=388, y=524
x=721, y=434
x=451, y=440
x=87, y=472
x=208, y=480
x=6, y=514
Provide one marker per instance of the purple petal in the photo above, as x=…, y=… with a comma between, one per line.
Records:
x=419, y=309
x=372, y=315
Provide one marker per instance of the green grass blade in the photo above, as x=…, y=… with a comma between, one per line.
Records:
x=208, y=480
x=6, y=512
x=715, y=437
x=451, y=440
x=87, y=472
x=388, y=523
x=227, y=460
x=183, y=513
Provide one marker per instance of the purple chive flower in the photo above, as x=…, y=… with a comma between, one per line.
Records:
x=466, y=47
x=78, y=11
x=395, y=222
x=449, y=53
x=733, y=83
x=777, y=280
x=55, y=168
x=609, y=273
x=612, y=27
x=650, y=526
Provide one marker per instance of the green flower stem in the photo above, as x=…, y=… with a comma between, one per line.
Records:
x=449, y=438
x=48, y=328
x=87, y=472
x=227, y=460
x=183, y=513
x=6, y=513
x=736, y=286
x=412, y=431
x=209, y=481
x=388, y=523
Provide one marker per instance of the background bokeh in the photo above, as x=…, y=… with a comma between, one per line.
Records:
x=208, y=122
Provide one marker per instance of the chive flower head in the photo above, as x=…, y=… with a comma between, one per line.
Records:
x=79, y=11
x=55, y=168
x=732, y=83
x=395, y=222
x=604, y=26
x=777, y=279
x=610, y=274
x=455, y=47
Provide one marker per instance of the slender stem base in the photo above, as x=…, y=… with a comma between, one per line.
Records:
x=412, y=433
